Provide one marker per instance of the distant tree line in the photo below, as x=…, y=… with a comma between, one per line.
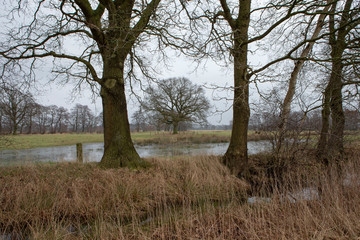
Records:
x=269, y=121
x=259, y=121
x=21, y=114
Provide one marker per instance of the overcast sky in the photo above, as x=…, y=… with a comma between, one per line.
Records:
x=208, y=74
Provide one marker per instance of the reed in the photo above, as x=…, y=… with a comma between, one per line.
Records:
x=80, y=196
x=179, y=198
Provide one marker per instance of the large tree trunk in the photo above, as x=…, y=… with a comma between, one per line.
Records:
x=119, y=150
x=334, y=147
x=335, y=142
x=331, y=145
x=236, y=156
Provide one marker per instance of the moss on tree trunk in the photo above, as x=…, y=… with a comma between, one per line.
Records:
x=119, y=150
x=236, y=156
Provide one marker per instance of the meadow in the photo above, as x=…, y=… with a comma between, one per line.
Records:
x=182, y=198
x=26, y=141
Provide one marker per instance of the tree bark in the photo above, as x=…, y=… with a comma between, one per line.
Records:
x=119, y=150
x=325, y=120
x=30, y=123
x=334, y=147
x=331, y=145
x=15, y=127
x=335, y=142
x=175, y=127
x=236, y=156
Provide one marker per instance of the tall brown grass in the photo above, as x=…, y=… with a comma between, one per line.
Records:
x=36, y=198
x=185, y=198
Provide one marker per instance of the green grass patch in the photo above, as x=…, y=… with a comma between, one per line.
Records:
x=144, y=138
x=49, y=140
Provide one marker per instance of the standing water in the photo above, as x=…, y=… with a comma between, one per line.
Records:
x=93, y=152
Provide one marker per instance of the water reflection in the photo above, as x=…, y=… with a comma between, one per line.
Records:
x=93, y=152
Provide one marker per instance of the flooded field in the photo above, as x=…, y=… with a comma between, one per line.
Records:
x=93, y=152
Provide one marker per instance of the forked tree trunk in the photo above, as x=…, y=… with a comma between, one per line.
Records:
x=119, y=150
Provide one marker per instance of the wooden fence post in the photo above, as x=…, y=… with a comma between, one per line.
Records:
x=79, y=152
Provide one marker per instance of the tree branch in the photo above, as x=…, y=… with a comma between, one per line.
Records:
x=227, y=14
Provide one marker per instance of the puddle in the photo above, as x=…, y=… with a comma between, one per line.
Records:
x=92, y=152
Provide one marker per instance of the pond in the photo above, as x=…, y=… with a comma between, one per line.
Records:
x=93, y=152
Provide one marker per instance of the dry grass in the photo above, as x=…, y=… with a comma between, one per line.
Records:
x=175, y=199
x=45, y=199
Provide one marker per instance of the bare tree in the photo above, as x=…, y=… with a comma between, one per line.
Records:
x=82, y=119
x=42, y=118
x=74, y=118
x=29, y=118
x=110, y=30
x=177, y=100
x=57, y=119
x=62, y=119
x=235, y=26
x=155, y=120
x=344, y=43
x=286, y=105
x=139, y=119
x=15, y=104
x=53, y=111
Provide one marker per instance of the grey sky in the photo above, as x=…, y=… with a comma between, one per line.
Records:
x=208, y=74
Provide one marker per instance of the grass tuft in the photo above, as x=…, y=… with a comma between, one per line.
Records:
x=180, y=198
